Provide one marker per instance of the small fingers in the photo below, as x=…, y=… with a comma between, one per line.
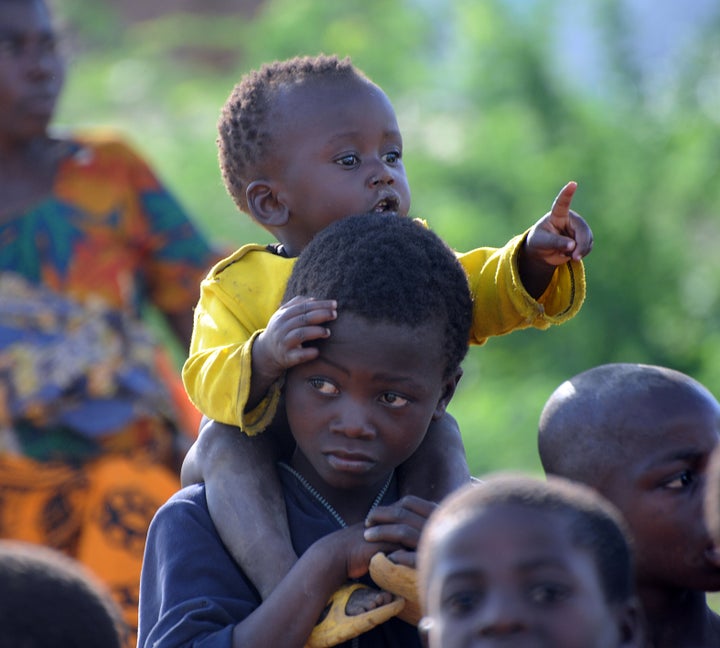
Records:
x=311, y=311
x=406, y=509
x=560, y=211
x=583, y=237
x=401, y=522
x=297, y=336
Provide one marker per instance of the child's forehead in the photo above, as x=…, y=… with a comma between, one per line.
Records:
x=324, y=91
x=526, y=537
x=504, y=517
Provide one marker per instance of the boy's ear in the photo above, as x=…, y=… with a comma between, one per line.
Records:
x=448, y=392
x=630, y=619
x=264, y=205
x=424, y=628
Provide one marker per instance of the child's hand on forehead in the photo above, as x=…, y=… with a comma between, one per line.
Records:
x=561, y=234
x=280, y=345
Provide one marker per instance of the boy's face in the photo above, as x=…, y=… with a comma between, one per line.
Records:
x=512, y=577
x=658, y=484
x=364, y=405
x=31, y=71
x=338, y=152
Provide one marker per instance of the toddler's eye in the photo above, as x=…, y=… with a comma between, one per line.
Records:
x=683, y=480
x=393, y=400
x=392, y=157
x=348, y=161
x=323, y=386
x=548, y=593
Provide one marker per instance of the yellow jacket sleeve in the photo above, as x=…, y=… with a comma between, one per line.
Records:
x=500, y=302
x=237, y=299
x=242, y=292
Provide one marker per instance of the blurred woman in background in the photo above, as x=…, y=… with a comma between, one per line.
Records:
x=93, y=419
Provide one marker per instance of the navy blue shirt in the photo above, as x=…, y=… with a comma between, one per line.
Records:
x=192, y=593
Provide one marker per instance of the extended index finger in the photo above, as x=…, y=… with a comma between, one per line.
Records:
x=560, y=212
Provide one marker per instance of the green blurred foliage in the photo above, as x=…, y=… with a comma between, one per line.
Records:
x=493, y=128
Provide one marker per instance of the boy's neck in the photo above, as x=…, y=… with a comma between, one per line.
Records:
x=679, y=619
x=352, y=506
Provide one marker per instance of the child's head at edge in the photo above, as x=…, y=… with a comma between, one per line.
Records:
x=307, y=141
x=49, y=599
x=642, y=435
x=545, y=530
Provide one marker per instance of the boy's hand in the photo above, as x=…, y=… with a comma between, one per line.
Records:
x=561, y=234
x=401, y=524
x=393, y=529
x=280, y=345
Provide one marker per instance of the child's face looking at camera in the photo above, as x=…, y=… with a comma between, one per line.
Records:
x=511, y=576
x=364, y=405
x=339, y=153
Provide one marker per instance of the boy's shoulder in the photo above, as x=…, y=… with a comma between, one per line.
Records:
x=255, y=258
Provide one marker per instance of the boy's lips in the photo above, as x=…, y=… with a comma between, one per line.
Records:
x=349, y=461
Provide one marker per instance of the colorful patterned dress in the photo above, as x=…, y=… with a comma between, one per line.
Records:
x=89, y=411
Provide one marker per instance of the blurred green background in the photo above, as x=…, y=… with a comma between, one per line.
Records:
x=500, y=102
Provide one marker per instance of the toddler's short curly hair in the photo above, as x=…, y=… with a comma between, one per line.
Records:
x=244, y=128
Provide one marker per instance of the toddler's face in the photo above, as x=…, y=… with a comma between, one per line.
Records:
x=338, y=152
x=512, y=577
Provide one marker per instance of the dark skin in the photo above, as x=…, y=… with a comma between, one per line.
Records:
x=339, y=152
x=652, y=443
x=32, y=73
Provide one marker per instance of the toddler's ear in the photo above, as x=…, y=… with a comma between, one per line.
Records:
x=264, y=205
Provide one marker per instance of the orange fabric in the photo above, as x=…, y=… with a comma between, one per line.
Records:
x=98, y=514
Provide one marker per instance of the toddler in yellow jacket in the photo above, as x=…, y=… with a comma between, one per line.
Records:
x=305, y=142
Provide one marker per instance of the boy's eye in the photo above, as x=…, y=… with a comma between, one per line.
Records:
x=393, y=400
x=392, y=157
x=350, y=160
x=548, y=593
x=683, y=480
x=462, y=603
x=323, y=386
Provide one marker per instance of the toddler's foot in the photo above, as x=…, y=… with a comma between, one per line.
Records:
x=345, y=618
x=365, y=599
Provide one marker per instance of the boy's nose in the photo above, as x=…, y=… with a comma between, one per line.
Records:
x=501, y=615
x=353, y=420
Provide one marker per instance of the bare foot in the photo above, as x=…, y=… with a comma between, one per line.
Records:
x=364, y=600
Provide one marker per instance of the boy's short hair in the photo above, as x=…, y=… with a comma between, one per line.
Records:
x=245, y=124
x=594, y=524
x=48, y=600
x=585, y=423
x=388, y=268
